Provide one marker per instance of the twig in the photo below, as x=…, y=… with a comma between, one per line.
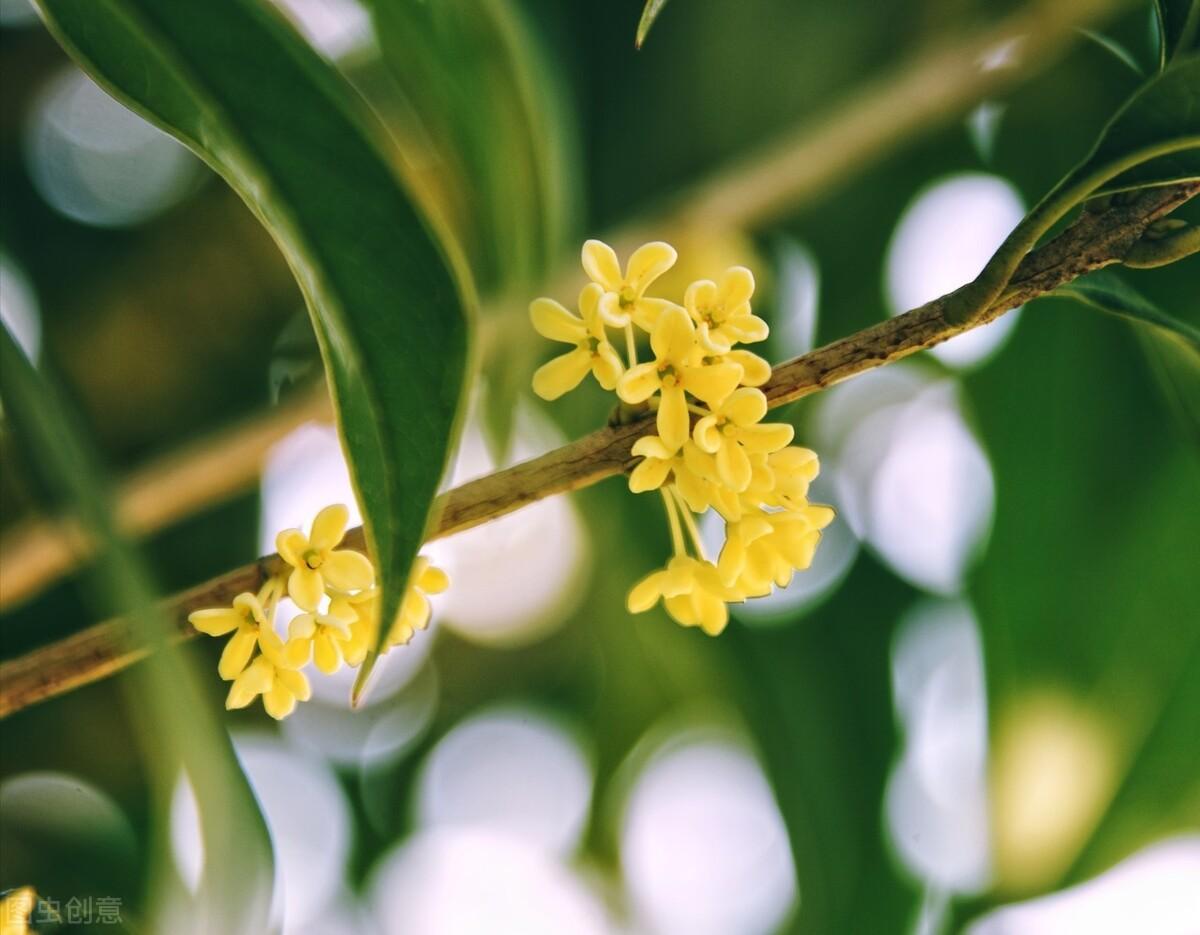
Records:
x=936, y=83
x=1096, y=239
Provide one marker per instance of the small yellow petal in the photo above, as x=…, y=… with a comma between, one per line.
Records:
x=650, y=446
x=648, y=310
x=306, y=587
x=712, y=383
x=645, y=594
x=237, y=653
x=606, y=366
x=608, y=312
x=755, y=370
x=348, y=570
x=745, y=406
x=297, y=651
x=674, y=337
x=649, y=475
x=433, y=580
x=706, y=435
x=217, y=621
x=255, y=680
x=737, y=286
x=279, y=702
x=327, y=656
x=601, y=265
x=638, y=383
x=648, y=262
x=291, y=545
x=733, y=466
x=673, y=420
x=562, y=374
x=296, y=683
x=329, y=527
x=763, y=438
x=552, y=321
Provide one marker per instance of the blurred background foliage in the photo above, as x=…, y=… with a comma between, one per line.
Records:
x=985, y=689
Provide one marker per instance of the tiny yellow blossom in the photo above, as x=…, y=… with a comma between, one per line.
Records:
x=624, y=293
x=791, y=471
x=760, y=558
x=272, y=676
x=319, y=637
x=755, y=370
x=691, y=470
x=414, y=613
x=593, y=352
x=16, y=907
x=247, y=619
x=316, y=562
x=690, y=589
x=732, y=431
x=722, y=312
x=676, y=370
x=415, y=610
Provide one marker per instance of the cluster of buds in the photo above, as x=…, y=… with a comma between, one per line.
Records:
x=712, y=450
x=339, y=619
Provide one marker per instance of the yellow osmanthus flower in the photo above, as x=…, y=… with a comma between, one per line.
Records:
x=593, y=353
x=757, y=555
x=338, y=624
x=722, y=311
x=414, y=614
x=729, y=460
x=690, y=470
x=272, y=676
x=731, y=432
x=248, y=618
x=624, y=296
x=319, y=637
x=690, y=589
x=317, y=562
x=677, y=369
x=16, y=907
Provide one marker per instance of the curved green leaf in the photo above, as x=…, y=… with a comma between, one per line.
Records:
x=235, y=83
x=649, y=15
x=1103, y=290
x=179, y=728
x=1179, y=28
x=477, y=81
x=1154, y=139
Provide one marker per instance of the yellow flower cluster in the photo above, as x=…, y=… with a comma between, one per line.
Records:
x=335, y=590
x=712, y=449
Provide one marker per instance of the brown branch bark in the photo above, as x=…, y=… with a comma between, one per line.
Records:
x=1094, y=240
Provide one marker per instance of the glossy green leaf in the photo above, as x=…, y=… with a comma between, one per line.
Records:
x=179, y=727
x=234, y=82
x=492, y=122
x=487, y=115
x=1154, y=139
x=649, y=15
x=1179, y=28
x=1105, y=291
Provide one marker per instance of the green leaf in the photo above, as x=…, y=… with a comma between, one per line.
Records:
x=179, y=728
x=1154, y=139
x=236, y=84
x=1179, y=28
x=491, y=111
x=1105, y=291
x=649, y=15
x=1115, y=49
